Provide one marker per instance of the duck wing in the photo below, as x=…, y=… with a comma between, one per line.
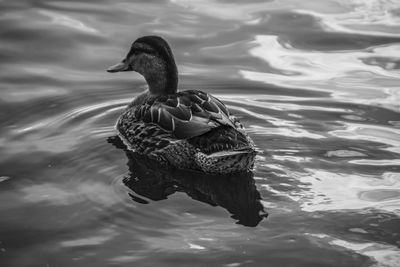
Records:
x=185, y=114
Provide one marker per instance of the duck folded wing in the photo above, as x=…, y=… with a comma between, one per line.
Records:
x=186, y=114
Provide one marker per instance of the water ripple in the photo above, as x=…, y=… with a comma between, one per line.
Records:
x=336, y=191
x=371, y=17
x=300, y=68
x=67, y=21
x=66, y=130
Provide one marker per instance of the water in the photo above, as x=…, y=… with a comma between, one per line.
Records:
x=315, y=82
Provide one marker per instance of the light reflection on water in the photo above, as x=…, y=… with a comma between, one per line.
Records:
x=315, y=83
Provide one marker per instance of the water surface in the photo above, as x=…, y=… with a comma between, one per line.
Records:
x=316, y=84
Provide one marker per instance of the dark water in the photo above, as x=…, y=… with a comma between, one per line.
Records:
x=315, y=82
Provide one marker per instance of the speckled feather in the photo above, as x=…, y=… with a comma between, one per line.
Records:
x=185, y=114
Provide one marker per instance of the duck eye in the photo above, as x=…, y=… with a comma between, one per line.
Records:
x=132, y=53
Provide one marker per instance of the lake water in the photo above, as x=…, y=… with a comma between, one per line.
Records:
x=316, y=83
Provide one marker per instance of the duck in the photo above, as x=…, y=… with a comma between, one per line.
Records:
x=188, y=129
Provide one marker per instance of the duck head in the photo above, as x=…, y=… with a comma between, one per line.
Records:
x=151, y=57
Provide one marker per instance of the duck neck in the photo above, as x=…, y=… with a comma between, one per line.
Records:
x=163, y=80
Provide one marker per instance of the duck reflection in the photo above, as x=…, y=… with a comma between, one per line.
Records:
x=236, y=193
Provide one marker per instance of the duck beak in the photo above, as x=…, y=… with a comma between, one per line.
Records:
x=122, y=66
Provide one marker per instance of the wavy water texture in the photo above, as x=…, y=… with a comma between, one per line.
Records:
x=370, y=17
x=315, y=83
